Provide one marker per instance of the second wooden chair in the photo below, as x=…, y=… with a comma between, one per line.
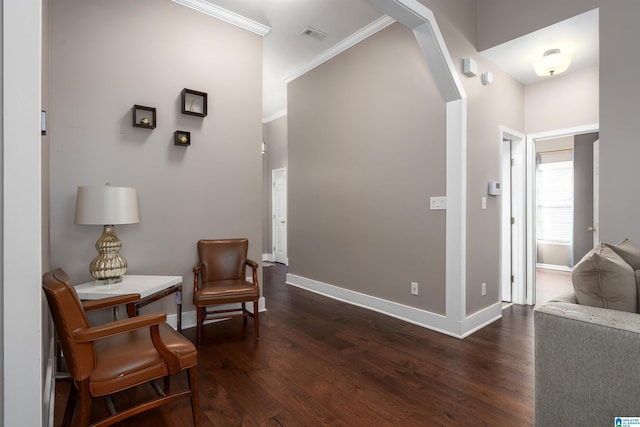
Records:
x=219, y=278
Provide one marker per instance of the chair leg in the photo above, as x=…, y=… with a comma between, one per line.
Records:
x=72, y=399
x=244, y=312
x=84, y=401
x=195, y=400
x=199, y=321
x=255, y=319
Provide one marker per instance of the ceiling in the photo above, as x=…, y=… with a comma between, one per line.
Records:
x=578, y=36
x=286, y=48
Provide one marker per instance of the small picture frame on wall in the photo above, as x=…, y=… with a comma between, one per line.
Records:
x=143, y=117
x=182, y=138
x=194, y=102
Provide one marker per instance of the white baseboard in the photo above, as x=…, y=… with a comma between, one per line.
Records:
x=434, y=321
x=269, y=257
x=480, y=319
x=189, y=317
x=49, y=391
x=553, y=267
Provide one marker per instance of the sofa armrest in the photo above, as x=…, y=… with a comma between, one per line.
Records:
x=587, y=364
x=569, y=297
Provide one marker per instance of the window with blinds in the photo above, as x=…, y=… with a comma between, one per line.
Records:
x=554, y=214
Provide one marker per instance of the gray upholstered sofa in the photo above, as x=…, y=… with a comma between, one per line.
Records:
x=587, y=364
x=587, y=343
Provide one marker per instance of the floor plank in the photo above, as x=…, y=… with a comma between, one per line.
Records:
x=321, y=362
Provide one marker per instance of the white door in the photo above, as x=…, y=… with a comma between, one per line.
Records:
x=596, y=193
x=506, y=242
x=279, y=207
x=513, y=272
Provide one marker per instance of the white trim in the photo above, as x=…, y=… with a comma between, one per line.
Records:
x=269, y=257
x=21, y=264
x=480, y=319
x=416, y=316
x=553, y=267
x=418, y=18
x=577, y=130
x=423, y=318
x=516, y=152
x=518, y=204
x=355, y=38
x=456, y=219
x=226, y=16
x=49, y=395
x=275, y=116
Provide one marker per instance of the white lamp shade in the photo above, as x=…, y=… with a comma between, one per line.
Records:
x=553, y=62
x=106, y=205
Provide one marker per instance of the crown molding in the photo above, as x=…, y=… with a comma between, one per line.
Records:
x=226, y=16
x=355, y=38
x=275, y=116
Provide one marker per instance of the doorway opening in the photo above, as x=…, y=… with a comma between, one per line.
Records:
x=562, y=214
x=523, y=251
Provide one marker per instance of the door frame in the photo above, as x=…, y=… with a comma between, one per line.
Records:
x=273, y=215
x=531, y=255
x=512, y=250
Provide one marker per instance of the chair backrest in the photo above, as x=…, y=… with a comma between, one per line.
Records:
x=223, y=259
x=68, y=316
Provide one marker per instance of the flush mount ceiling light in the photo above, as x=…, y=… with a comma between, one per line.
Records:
x=553, y=62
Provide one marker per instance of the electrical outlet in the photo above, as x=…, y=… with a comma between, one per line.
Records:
x=414, y=288
x=438, y=203
x=484, y=289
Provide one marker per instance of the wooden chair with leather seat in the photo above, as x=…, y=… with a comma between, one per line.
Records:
x=109, y=358
x=219, y=278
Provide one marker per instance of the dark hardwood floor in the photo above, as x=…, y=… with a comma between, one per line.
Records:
x=320, y=362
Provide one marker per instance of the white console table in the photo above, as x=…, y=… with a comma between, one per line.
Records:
x=150, y=289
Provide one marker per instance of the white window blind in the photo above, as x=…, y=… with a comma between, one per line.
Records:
x=554, y=221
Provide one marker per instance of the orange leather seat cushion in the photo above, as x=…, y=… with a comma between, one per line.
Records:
x=225, y=291
x=129, y=359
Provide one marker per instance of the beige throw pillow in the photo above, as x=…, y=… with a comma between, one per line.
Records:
x=629, y=252
x=603, y=279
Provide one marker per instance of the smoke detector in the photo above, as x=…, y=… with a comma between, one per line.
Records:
x=312, y=32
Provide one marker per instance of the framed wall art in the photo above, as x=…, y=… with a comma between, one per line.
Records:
x=182, y=138
x=143, y=117
x=194, y=102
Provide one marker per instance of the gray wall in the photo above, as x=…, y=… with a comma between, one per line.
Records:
x=108, y=56
x=364, y=157
x=501, y=20
x=368, y=153
x=276, y=157
x=564, y=101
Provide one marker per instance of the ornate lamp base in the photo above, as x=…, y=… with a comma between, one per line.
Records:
x=109, y=265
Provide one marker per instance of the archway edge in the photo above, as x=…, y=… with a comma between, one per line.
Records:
x=418, y=18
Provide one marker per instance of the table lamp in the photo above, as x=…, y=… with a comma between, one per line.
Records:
x=107, y=206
